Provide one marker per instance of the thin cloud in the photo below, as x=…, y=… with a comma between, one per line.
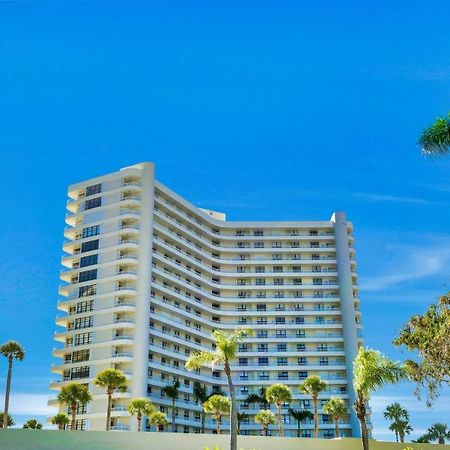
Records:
x=391, y=198
x=31, y=404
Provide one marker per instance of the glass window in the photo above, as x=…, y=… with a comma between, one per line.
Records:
x=83, y=338
x=89, y=260
x=90, y=245
x=91, y=231
x=87, y=275
x=86, y=291
x=94, y=189
x=93, y=203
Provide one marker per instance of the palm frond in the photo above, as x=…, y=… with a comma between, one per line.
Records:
x=435, y=140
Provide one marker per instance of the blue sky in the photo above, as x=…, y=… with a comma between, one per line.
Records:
x=262, y=109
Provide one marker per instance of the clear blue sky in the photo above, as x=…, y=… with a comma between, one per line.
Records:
x=262, y=109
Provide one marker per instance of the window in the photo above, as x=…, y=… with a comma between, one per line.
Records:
x=86, y=291
x=263, y=347
x=280, y=320
x=243, y=361
x=263, y=361
x=260, y=307
x=91, y=231
x=258, y=233
x=93, y=203
x=87, y=275
x=323, y=361
x=281, y=347
x=283, y=375
x=280, y=333
x=80, y=356
x=79, y=372
x=302, y=375
x=94, y=189
x=260, y=269
x=282, y=361
x=243, y=376
x=88, y=260
x=83, y=338
x=261, y=334
x=261, y=320
x=84, y=306
x=299, y=320
x=90, y=245
x=301, y=347
x=264, y=375
x=302, y=361
x=84, y=322
x=300, y=333
x=243, y=347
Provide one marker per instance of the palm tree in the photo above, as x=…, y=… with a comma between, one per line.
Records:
x=278, y=394
x=217, y=405
x=172, y=391
x=435, y=140
x=225, y=352
x=401, y=428
x=10, y=350
x=259, y=398
x=313, y=386
x=74, y=395
x=371, y=371
x=241, y=417
x=32, y=424
x=438, y=432
x=395, y=412
x=140, y=407
x=10, y=421
x=200, y=392
x=61, y=420
x=158, y=419
x=265, y=418
x=300, y=416
x=111, y=380
x=337, y=409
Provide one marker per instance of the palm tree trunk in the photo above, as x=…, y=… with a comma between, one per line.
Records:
x=336, y=428
x=316, y=418
x=73, y=408
x=396, y=436
x=280, y=421
x=364, y=434
x=139, y=418
x=402, y=437
x=360, y=409
x=174, y=426
x=108, y=411
x=233, y=415
x=203, y=421
x=8, y=389
x=218, y=425
x=298, y=428
x=265, y=429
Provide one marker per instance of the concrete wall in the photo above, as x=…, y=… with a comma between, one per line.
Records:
x=99, y=440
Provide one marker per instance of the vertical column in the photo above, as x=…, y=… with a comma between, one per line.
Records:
x=142, y=316
x=347, y=308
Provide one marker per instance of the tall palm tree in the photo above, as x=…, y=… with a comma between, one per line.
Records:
x=11, y=350
x=112, y=380
x=337, y=409
x=300, y=416
x=225, y=352
x=278, y=394
x=438, y=432
x=240, y=418
x=158, y=419
x=217, y=405
x=435, y=140
x=260, y=397
x=172, y=391
x=32, y=424
x=313, y=386
x=371, y=371
x=401, y=428
x=395, y=412
x=74, y=395
x=62, y=420
x=265, y=418
x=200, y=392
x=140, y=407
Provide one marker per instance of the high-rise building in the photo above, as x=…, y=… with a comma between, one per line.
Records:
x=148, y=276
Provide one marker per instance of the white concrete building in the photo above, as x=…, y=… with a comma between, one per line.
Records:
x=148, y=276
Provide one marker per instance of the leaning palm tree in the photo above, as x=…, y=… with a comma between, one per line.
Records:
x=32, y=424
x=435, y=140
x=265, y=418
x=260, y=397
x=337, y=409
x=225, y=352
x=371, y=371
x=11, y=350
x=278, y=394
x=200, y=392
x=217, y=405
x=61, y=420
x=300, y=416
x=401, y=428
x=140, y=407
x=313, y=386
x=74, y=395
x=395, y=412
x=241, y=417
x=438, y=432
x=112, y=380
x=158, y=419
x=172, y=391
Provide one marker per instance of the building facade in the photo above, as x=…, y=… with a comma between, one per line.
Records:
x=148, y=277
